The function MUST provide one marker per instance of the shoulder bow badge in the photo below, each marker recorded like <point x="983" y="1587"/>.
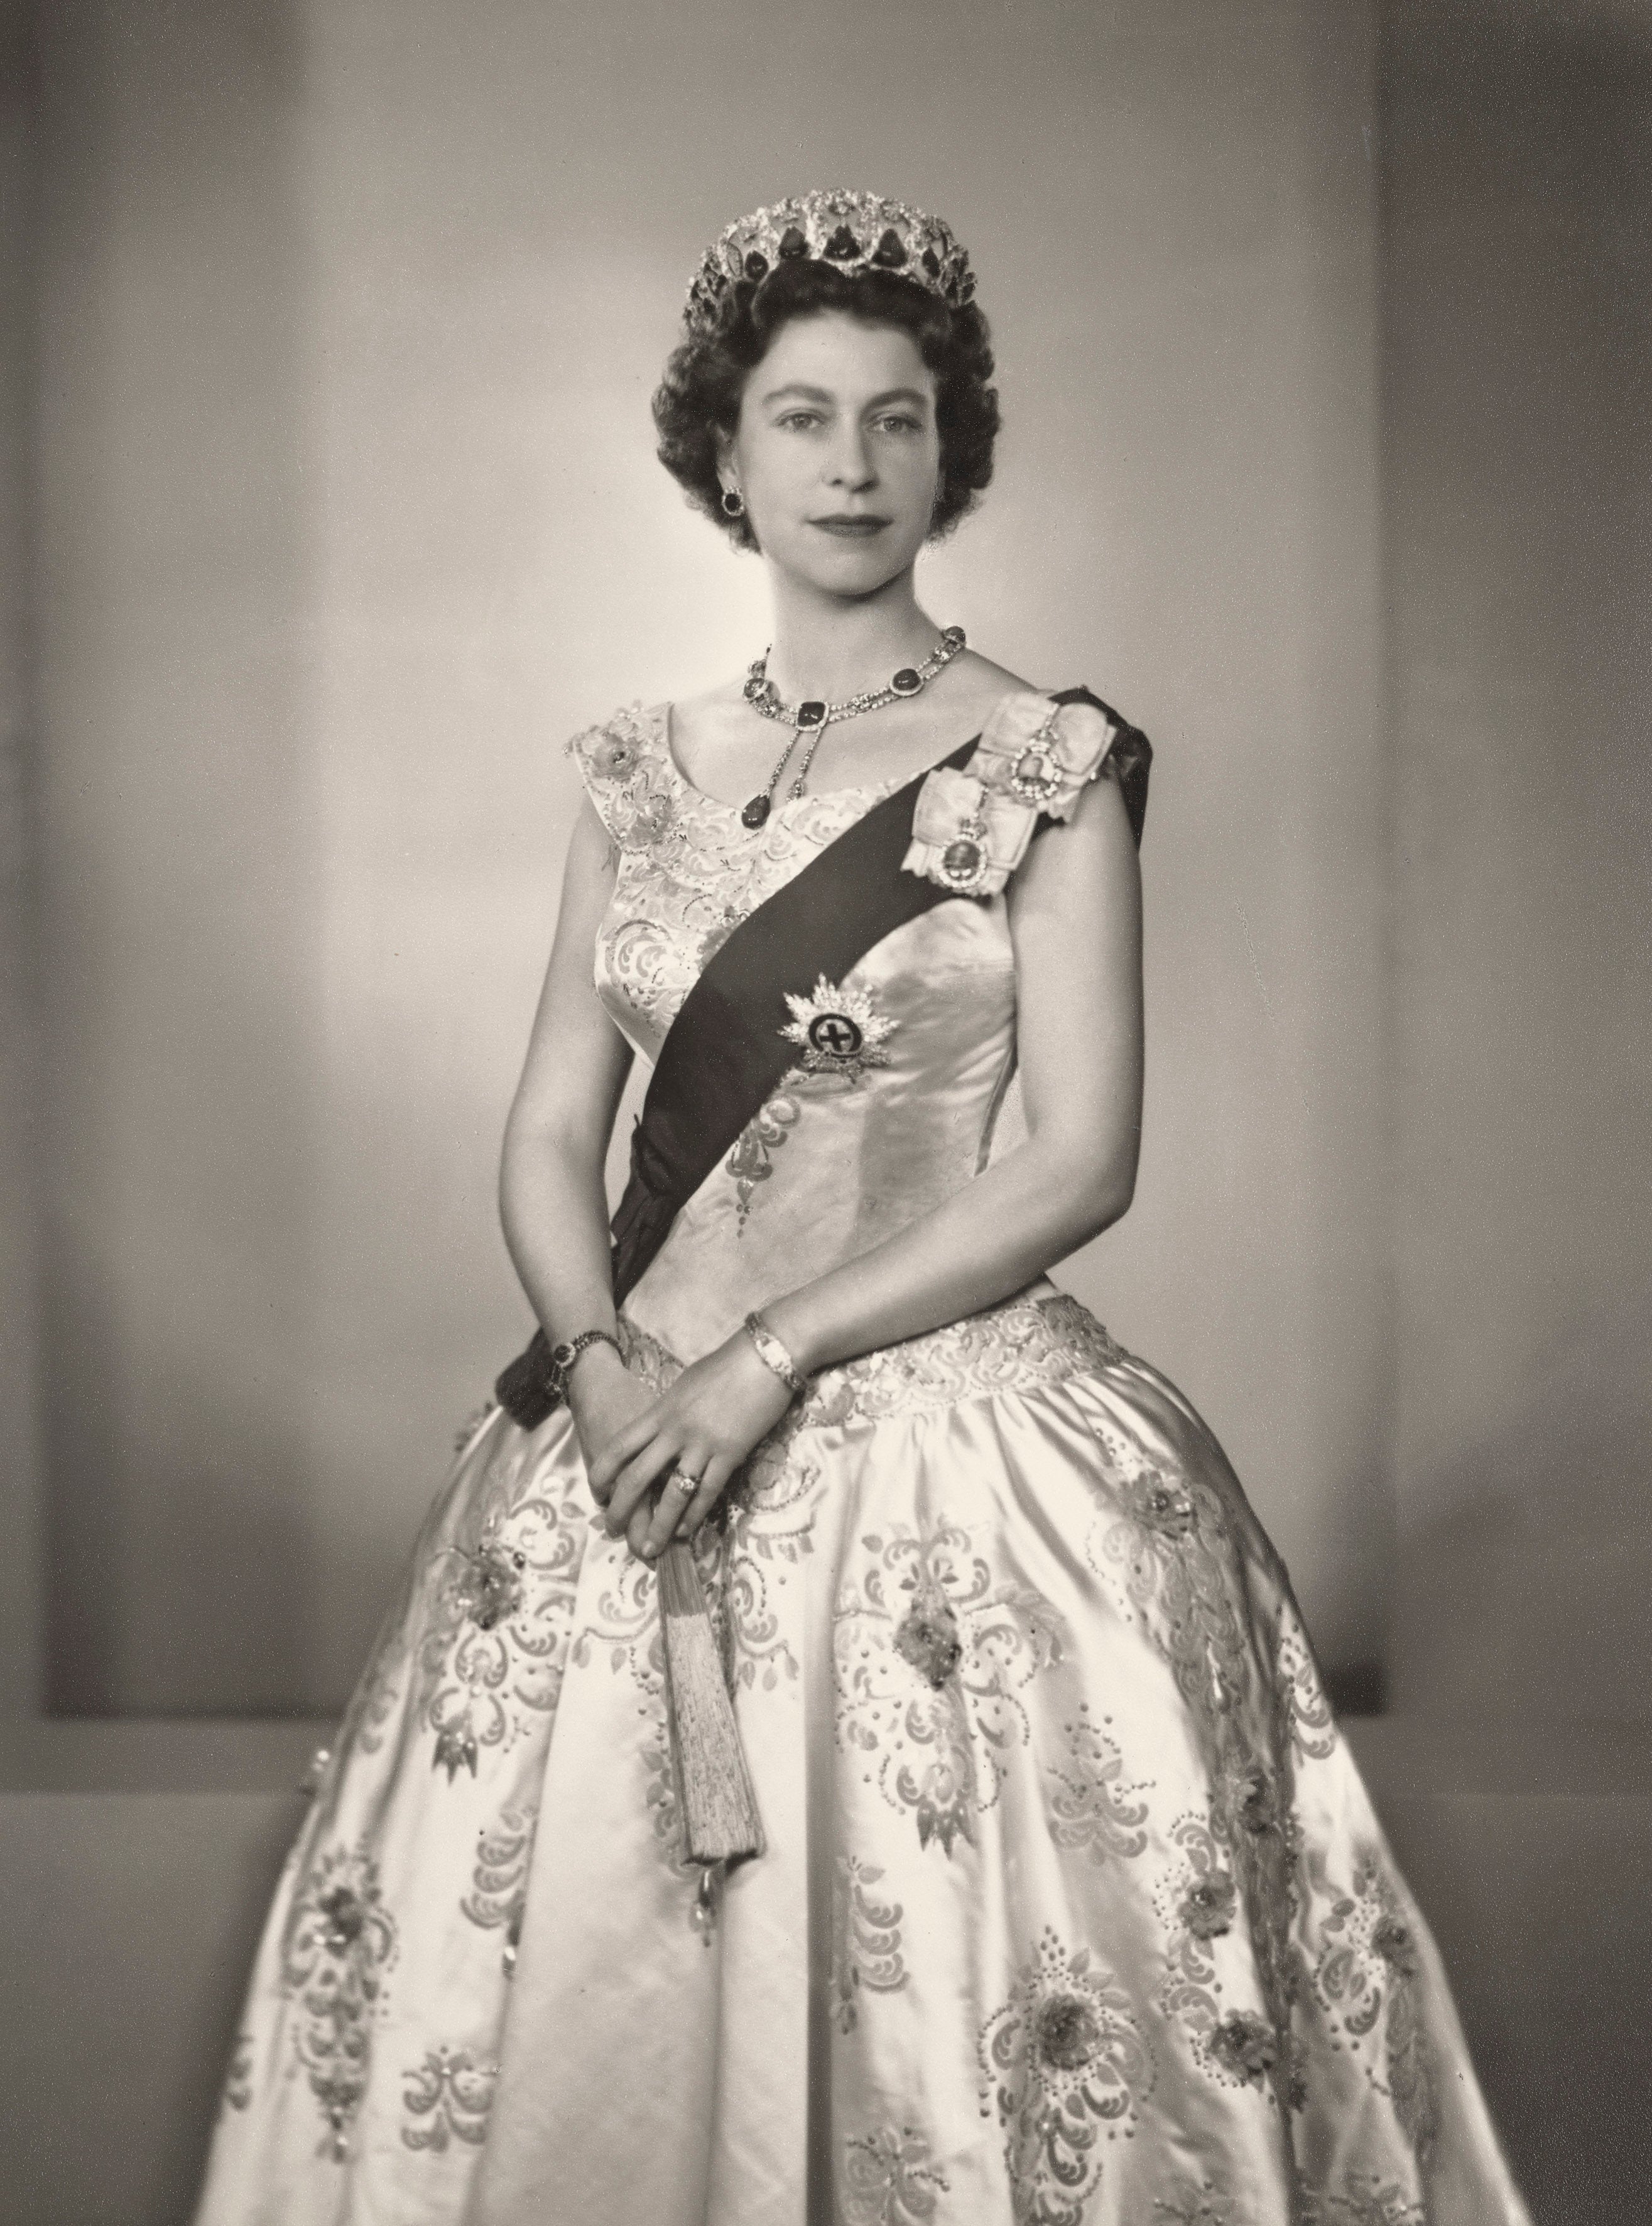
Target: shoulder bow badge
<point x="971" y="829"/>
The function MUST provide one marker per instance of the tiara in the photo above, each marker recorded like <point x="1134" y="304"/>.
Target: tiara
<point x="853" y="231"/>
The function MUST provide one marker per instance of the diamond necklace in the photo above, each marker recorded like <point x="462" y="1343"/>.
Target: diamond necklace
<point x="814" y="717"/>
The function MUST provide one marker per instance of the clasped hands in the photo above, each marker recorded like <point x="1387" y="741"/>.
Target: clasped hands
<point x="657" y="1466"/>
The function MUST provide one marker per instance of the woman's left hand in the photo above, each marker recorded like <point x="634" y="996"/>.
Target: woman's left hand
<point x="690" y="1442"/>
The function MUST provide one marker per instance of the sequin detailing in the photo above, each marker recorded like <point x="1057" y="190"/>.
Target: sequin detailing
<point x="866" y="1940"/>
<point x="340" y="1941"/>
<point x="1010" y="1347"/>
<point x="1165" y="1541"/>
<point x="751" y="1161"/>
<point x="1368" y="1960"/>
<point x="495" y="1641"/>
<point x="1314" y="1728"/>
<point x="447" y="2098"/>
<point x="1015" y="1347"/>
<point x="1188" y="2203"/>
<point x="1367" y="2200"/>
<point x="1196" y="1903"/>
<point x="498" y="1892"/>
<point x="890" y="2180"/>
<point x="1090" y="1799"/>
<point x="930" y="1648"/>
<point x="1064" y="2064"/>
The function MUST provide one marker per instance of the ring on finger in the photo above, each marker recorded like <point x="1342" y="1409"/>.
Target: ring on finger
<point x="681" y="1476"/>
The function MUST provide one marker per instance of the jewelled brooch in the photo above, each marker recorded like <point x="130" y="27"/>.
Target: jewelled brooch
<point x="839" y="1031"/>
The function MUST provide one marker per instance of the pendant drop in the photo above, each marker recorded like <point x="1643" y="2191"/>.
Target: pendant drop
<point x="754" y="813"/>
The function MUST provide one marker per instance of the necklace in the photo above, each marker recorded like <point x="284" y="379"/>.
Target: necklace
<point x="813" y="717"/>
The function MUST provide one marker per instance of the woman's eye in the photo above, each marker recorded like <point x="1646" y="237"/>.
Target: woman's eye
<point x="801" y="419"/>
<point x="895" y="422"/>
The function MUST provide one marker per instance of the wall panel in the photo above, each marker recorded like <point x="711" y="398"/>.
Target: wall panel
<point x="351" y="516"/>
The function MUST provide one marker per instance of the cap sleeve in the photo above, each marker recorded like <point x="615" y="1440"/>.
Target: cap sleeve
<point x="1127" y="755"/>
<point x="622" y="764"/>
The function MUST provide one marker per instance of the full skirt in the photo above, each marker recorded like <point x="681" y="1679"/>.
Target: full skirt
<point x="1073" y="1905"/>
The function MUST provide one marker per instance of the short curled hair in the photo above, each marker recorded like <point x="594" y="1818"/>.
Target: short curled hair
<point x="700" y="394"/>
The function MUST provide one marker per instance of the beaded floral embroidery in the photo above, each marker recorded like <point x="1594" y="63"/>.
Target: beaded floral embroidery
<point x="496" y="1633"/>
<point x="499" y="1894"/>
<point x="1009" y="1347"/>
<point x="889" y="2180"/>
<point x="687" y="871"/>
<point x="1367" y="2200"/>
<point x="866" y="1940"/>
<point x="1197" y="1903"/>
<point x="449" y="2098"/>
<point x="1366" y="1965"/>
<point x="1166" y="1542"/>
<point x="1090" y="1799"/>
<point x="930" y="1648"/>
<point x="1187" y="2203"/>
<point x="1314" y="1728"/>
<point x="751" y="1161"/>
<point x="339" y="1941"/>
<point x="1064" y="2064"/>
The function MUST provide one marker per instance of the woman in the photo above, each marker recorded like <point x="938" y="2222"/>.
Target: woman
<point x="1064" y="1901"/>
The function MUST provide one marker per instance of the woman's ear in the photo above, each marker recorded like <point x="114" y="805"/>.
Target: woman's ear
<point x="725" y="452"/>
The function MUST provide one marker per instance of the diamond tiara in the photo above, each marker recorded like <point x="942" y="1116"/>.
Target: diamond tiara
<point x="853" y="231"/>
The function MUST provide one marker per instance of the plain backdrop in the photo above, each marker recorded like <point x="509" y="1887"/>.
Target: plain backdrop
<point x="1325" y="459"/>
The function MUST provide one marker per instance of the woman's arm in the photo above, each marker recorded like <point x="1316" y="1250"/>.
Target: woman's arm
<point x="1076" y="925"/>
<point x="553" y="1201"/>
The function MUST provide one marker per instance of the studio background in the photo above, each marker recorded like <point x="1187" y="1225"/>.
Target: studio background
<point x="330" y="510"/>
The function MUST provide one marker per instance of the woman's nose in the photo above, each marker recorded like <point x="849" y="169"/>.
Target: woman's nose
<point x="850" y="466"/>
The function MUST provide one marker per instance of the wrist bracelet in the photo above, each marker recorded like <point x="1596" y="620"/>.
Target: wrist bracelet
<point x="563" y="1356"/>
<point x="773" y="1355"/>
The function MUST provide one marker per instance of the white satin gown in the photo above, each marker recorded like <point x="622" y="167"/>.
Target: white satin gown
<point x="1074" y="1910"/>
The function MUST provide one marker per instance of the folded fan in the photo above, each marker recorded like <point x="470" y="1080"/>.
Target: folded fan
<point x="714" y="1785"/>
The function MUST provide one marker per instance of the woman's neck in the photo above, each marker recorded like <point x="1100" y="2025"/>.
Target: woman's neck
<point x="830" y="647"/>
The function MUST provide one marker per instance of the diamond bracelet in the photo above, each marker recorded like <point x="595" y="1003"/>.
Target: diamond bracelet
<point x="773" y="1353"/>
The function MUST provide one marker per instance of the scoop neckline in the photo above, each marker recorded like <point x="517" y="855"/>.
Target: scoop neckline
<point x="888" y="785"/>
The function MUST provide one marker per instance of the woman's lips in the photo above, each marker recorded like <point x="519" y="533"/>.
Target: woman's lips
<point x="851" y="529"/>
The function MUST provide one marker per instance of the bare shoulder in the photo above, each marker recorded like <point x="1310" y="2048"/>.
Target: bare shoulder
<point x="711" y="713"/>
<point x="979" y="684"/>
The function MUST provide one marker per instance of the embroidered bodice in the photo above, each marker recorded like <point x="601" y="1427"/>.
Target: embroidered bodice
<point x="688" y="870"/>
<point x="903" y="1067"/>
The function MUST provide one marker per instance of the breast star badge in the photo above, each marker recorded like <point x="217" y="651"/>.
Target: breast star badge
<point x="839" y="1031"/>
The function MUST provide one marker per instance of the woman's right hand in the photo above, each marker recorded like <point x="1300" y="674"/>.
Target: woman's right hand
<point x="603" y="1395"/>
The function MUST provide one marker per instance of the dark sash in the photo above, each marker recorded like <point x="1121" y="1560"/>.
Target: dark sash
<point x="724" y="1056"/>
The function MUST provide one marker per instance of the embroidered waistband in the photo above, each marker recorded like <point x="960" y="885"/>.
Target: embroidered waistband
<point x="1009" y="1347"/>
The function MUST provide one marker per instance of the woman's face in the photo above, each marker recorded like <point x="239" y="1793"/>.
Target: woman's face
<point x="836" y="454"/>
